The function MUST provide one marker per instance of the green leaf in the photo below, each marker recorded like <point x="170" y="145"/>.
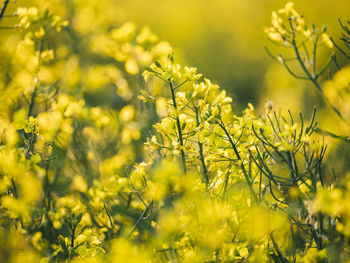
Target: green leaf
<point x="78" y="218"/>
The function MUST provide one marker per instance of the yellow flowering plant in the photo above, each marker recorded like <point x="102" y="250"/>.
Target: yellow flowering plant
<point x="272" y="163"/>
<point x="89" y="173"/>
<point x="47" y="116"/>
<point x="289" y="30"/>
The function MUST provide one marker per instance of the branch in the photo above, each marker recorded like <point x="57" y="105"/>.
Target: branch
<point x="3" y="9"/>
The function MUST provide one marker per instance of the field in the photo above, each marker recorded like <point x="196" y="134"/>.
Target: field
<point x="115" y="148"/>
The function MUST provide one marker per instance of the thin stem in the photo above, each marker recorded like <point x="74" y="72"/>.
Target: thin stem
<point x="289" y="70"/>
<point x="139" y="219"/>
<point x="270" y="54"/>
<point x="281" y="257"/>
<point x="178" y="86"/>
<point x="109" y="216"/>
<point x="32" y="101"/>
<point x="47" y="185"/>
<point x="340" y="49"/>
<point x="36" y="82"/>
<point x="245" y="173"/>
<point x="2" y="12"/>
<point x="73" y="236"/>
<point x="201" y="155"/>
<point x="310" y="77"/>
<point x="178" y="124"/>
<point x="314" y="55"/>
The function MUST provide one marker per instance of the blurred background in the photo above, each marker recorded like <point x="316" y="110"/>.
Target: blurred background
<point x="225" y="39"/>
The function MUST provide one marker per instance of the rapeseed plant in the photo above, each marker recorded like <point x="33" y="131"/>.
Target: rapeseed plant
<point x="208" y="185"/>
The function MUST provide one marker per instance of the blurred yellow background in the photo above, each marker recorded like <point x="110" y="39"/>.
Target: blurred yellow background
<point x="225" y="39"/>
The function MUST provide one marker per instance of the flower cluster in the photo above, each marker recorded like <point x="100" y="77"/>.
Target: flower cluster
<point x="288" y="25"/>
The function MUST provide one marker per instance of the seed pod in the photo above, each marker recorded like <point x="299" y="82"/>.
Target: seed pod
<point x="183" y="125"/>
<point x="78" y="218"/>
<point x="149" y="69"/>
<point x="158" y="64"/>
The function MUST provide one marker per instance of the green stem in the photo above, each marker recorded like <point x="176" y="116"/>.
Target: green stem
<point x="109" y="217"/>
<point x="278" y="251"/>
<point x="47" y="185"/>
<point x="139" y="219"/>
<point x="308" y="74"/>
<point x="246" y="176"/>
<point x="314" y="55"/>
<point x="178" y="124"/>
<point x="36" y="81"/>
<point x="2" y="12"/>
<point x="201" y="155"/>
<point x="73" y="236"/>
<point x="32" y="101"/>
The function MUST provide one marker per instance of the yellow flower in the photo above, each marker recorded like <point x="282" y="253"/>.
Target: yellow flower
<point x="326" y="40"/>
<point x="40" y="33"/>
<point x="127" y="113"/>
